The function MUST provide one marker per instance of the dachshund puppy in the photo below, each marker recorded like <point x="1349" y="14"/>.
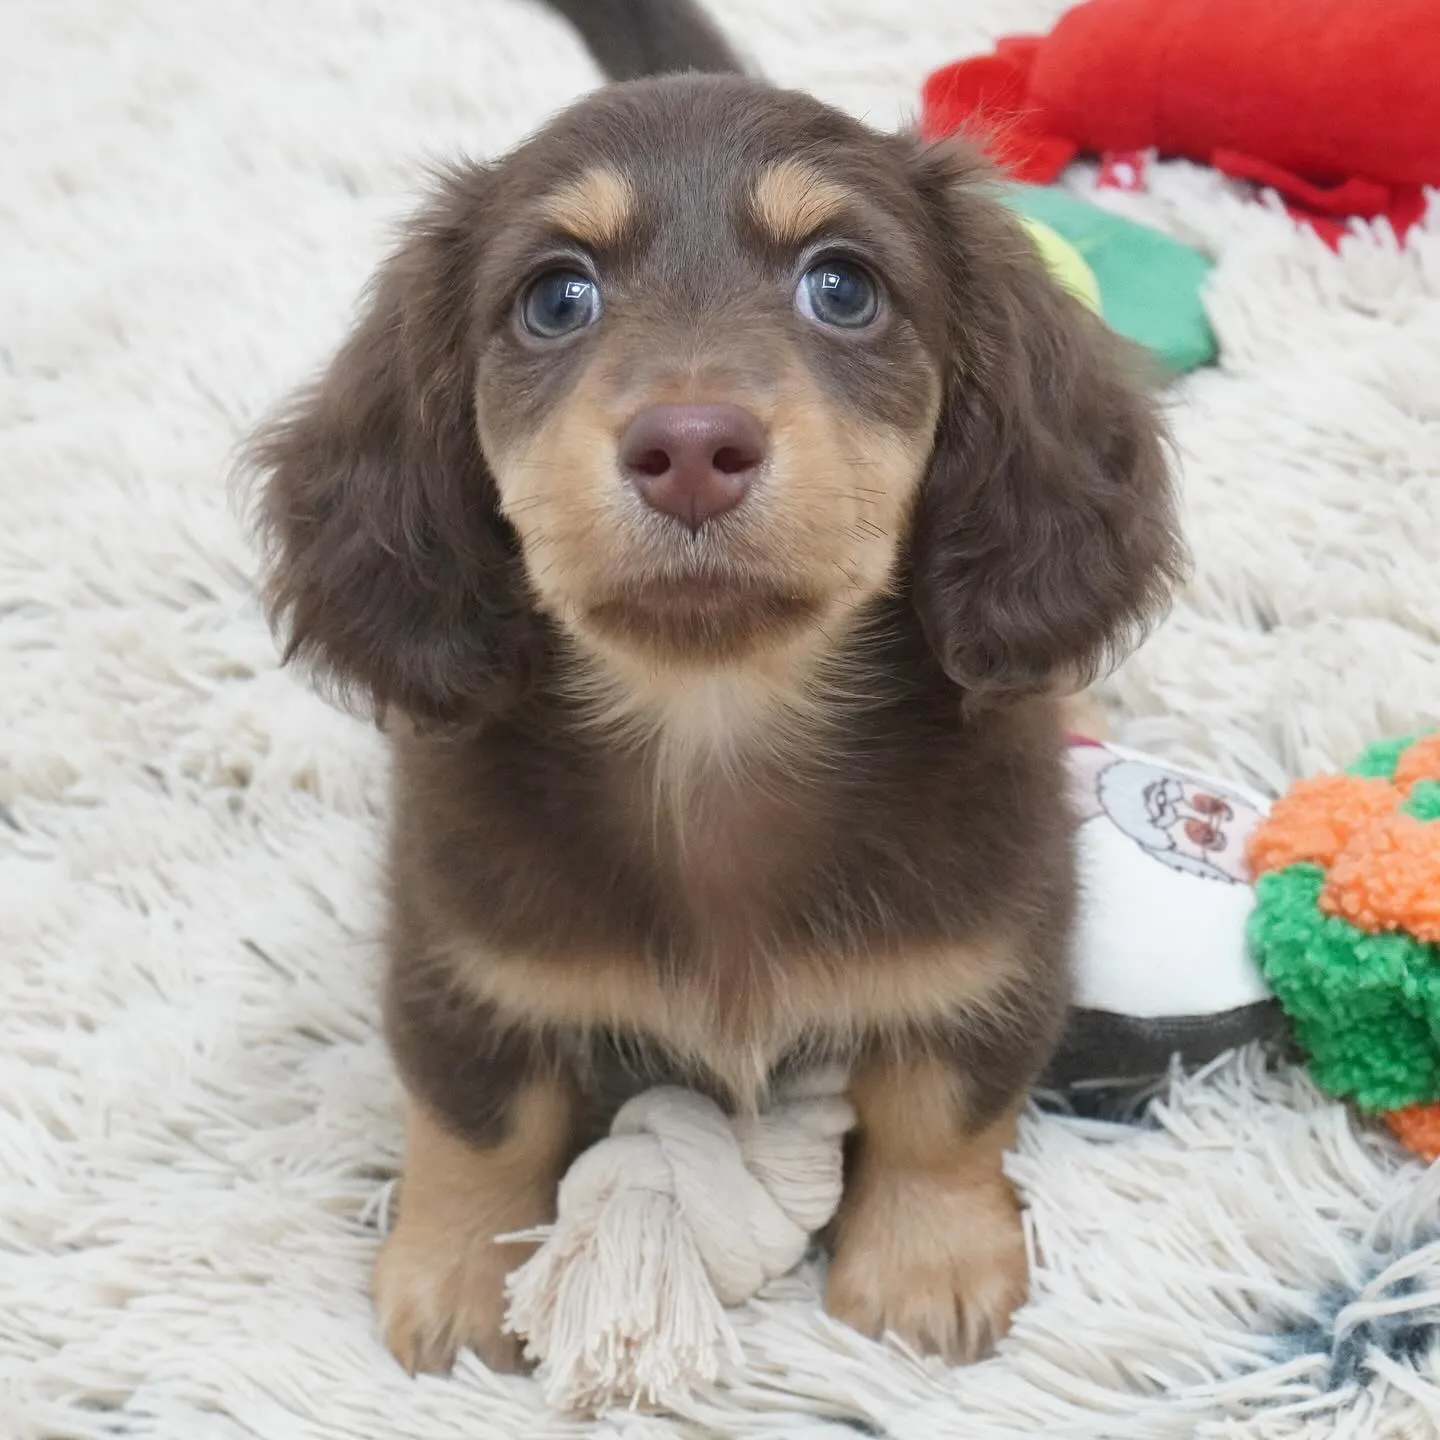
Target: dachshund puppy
<point x="715" y="498"/>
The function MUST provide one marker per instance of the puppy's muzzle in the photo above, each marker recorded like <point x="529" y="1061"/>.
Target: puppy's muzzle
<point x="693" y="462"/>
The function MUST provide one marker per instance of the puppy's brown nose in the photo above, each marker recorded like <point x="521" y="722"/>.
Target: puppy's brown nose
<point x="692" y="461"/>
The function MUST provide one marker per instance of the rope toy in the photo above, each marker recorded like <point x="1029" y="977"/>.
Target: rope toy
<point x="1346" y="929"/>
<point x="679" y="1212"/>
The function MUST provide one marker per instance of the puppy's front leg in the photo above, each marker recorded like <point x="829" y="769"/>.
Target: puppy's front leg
<point x="439" y="1284"/>
<point x="928" y="1242"/>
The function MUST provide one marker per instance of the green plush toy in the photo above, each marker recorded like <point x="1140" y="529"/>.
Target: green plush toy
<point x="1346" y="929"/>
<point x="1146" y="285"/>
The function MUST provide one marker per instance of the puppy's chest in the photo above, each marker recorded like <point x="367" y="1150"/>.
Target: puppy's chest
<point x="761" y="931"/>
<point x="736" y="855"/>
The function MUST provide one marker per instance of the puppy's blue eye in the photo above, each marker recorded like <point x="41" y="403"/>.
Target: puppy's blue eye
<point x="838" y="293"/>
<point x="559" y="302"/>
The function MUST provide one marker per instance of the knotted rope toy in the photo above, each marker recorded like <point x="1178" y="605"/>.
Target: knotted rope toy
<point x="1346" y="929"/>
<point x="679" y="1212"/>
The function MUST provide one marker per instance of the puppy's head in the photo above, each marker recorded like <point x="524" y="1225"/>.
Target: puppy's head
<point x="693" y="376"/>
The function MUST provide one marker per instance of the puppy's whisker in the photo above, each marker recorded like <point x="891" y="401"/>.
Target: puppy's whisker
<point x="860" y="526"/>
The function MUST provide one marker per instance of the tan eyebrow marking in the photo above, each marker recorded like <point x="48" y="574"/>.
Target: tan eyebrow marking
<point x="792" y="201"/>
<point x="596" y="208"/>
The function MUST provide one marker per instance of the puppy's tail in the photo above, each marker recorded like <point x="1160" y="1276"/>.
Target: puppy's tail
<point x="634" y="38"/>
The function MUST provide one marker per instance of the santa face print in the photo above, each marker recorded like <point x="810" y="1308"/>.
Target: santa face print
<point x="1183" y="822"/>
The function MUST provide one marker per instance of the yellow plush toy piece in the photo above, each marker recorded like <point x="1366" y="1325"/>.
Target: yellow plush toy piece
<point x="1065" y="262"/>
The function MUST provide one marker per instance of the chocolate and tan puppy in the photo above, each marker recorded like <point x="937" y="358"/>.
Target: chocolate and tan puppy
<point x="714" y="496"/>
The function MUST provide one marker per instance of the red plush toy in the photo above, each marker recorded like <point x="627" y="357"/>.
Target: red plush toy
<point x="1333" y="103"/>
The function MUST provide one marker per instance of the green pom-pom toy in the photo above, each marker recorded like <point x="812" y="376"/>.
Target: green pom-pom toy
<point x="1346" y="929"/>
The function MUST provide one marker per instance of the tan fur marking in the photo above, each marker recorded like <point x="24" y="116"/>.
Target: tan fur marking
<point x="595" y="209"/>
<point x="830" y="512"/>
<point x="707" y="725"/>
<point x="929" y="1243"/>
<point x="826" y="520"/>
<point x="792" y="201"/>
<point x="439" y="1281"/>
<point x="562" y="491"/>
<point x="849" y="487"/>
<point x="740" y="1036"/>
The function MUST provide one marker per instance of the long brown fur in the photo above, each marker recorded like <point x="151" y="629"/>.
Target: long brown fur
<point x="713" y="807"/>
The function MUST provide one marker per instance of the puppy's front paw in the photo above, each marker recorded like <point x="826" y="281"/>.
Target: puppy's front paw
<point x="435" y="1299"/>
<point x="942" y="1265"/>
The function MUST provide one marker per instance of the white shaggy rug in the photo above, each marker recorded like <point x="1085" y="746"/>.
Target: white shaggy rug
<point x="197" y="1121"/>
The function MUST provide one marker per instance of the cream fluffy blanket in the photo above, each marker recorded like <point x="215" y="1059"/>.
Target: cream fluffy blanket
<point x="197" y="1121"/>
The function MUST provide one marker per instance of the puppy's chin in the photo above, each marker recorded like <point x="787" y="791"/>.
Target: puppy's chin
<point x="701" y="620"/>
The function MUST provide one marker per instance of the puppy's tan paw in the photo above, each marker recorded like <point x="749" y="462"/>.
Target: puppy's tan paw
<point x="942" y="1267"/>
<point x="434" y="1300"/>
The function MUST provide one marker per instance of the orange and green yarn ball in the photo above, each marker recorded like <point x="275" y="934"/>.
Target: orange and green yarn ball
<point x="1346" y="929"/>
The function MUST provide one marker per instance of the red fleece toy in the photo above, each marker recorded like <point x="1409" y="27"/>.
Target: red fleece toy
<point x="1333" y="103"/>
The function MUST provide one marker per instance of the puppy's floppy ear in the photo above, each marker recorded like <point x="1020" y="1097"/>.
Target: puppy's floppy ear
<point x="1045" y="537"/>
<point x="389" y="562"/>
